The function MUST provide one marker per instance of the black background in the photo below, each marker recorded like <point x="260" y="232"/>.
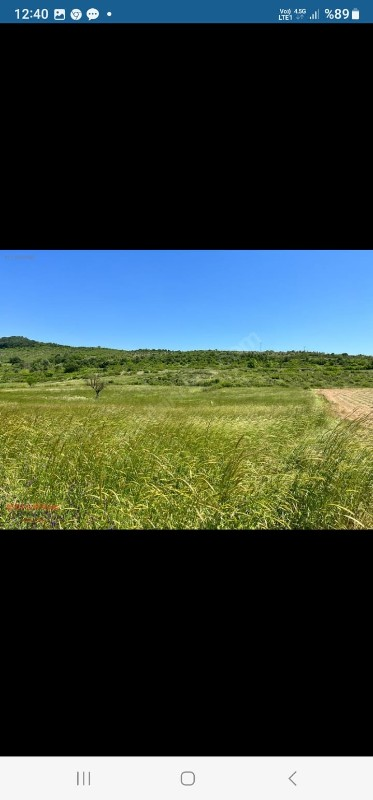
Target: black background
<point x="186" y="135"/>
<point x="151" y="643"/>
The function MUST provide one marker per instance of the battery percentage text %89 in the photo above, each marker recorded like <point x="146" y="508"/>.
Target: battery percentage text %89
<point x="337" y="13"/>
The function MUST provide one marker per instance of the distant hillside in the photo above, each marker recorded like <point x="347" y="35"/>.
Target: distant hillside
<point x="20" y="341"/>
<point x="23" y="359"/>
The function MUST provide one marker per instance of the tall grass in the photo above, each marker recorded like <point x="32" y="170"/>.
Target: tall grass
<point x="179" y="458"/>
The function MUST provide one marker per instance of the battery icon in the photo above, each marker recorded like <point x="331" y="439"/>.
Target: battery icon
<point x="355" y="13"/>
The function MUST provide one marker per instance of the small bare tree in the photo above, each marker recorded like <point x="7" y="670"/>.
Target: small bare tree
<point x="96" y="383"/>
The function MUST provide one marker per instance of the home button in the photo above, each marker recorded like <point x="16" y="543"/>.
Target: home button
<point x="188" y="778"/>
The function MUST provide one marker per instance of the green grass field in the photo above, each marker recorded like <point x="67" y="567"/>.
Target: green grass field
<point x="180" y="457"/>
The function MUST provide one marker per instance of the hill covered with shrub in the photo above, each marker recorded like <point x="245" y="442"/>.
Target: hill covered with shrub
<point x="21" y="357"/>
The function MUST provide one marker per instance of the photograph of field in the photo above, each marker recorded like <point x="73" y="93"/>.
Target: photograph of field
<point x="238" y="436"/>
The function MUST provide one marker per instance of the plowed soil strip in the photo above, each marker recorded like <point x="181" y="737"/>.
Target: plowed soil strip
<point x="351" y="403"/>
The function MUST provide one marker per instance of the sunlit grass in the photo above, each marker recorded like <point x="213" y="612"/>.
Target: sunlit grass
<point x="144" y="457"/>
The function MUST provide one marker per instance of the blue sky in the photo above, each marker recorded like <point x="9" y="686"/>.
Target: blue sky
<point x="190" y="299"/>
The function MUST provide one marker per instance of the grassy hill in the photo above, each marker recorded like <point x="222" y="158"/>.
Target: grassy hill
<point x="191" y="450"/>
<point x="21" y="358"/>
<point x="174" y="457"/>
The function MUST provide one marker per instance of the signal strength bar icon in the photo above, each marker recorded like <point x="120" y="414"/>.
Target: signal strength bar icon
<point x="315" y="15"/>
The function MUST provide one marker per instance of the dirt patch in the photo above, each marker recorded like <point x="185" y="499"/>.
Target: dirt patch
<point x="351" y="403"/>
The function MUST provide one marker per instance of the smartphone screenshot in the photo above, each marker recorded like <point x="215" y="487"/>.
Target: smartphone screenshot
<point x="185" y="422"/>
<point x="186" y="468"/>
